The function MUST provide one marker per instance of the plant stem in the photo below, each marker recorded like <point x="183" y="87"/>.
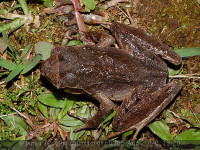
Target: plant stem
<point x="13" y="25"/>
<point x="12" y="16"/>
<point x="24" y="6"/>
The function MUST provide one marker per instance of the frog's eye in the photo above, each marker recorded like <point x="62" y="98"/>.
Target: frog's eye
<point x="61" y="58"/>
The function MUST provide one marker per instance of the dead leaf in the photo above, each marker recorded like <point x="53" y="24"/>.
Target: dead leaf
<point x="3" y="45"/>
<point x="63" y="133"/>
<point x="55" y="126"/>
<point x="187" y="105"/>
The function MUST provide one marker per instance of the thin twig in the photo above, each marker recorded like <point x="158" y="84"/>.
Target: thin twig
<point x="2" y="82"/>
<point x="123" y="12"/>
<point x="17" y="85"/>
<point x="174" y="31"/>
<point x="12" y="5"/>
<point x="13" y="16"/>
<point x="177" y="116"/>
<point x="8" y="115"/>
<point x="22" y="115"/>
<point x="130" y="18"/>
<point x="194" y="115"/>
<point x="114" y="2"/>
<point x="190" y="76"/>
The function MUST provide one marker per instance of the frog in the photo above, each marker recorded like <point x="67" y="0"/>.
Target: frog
<point x="134" y="74"/>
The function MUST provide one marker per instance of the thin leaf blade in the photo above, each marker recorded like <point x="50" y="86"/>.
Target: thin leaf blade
<point x="25" y="52"/>
<point x="31" y="64"/>
<point x="191" y="136"/>
<point x="5" y="37"/>
<point x="14" y="73"/>
<point x="7" y="64"/>
<point x="110" y="116"/>
<point x="43" y="109"/>
<point x="69" y="102"/>
<point x="188" y="52"/>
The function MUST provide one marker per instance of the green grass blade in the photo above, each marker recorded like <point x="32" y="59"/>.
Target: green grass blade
<point x="126" y="134"/>
<point x="14" y="73"/>
<point x="110" y="116"/>
<point x="31" y="64"/>
<point x="4" y="73"/>
<point x="191" y="136"/>
<point x="13" y="25"/>
<point x="188" y="52"/>
<point x="24" y="6"/>
<point x="68" y="104"/>
<point x="25" y="52"/>
<point x="5" y="37"/>
<point x="7" y="64"/>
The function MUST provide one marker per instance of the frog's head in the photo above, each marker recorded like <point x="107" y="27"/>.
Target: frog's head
<point x="58" y="69"/>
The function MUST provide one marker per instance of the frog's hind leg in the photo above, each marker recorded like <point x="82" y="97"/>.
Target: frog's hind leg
<point x="146" y="109"/>
<point x="137" y="40"/>
<point x="162" y="98"/>
<point x="106" y="106"/>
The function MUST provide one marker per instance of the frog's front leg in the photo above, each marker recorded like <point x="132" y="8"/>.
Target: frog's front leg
<point x="96" y="38"/>
<point x="106" y="106"/>
<point x="139" y="113"/>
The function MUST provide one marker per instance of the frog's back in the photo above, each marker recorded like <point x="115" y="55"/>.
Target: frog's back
<point x="105" y="69"/>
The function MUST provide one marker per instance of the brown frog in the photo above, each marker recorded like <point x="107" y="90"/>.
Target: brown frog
<point x="135" y="74"/>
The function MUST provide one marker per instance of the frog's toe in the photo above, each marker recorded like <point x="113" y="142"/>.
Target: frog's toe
<point x="80" y="128"/>
<point x="89" y="124"/>
<point x="77" y="117"/>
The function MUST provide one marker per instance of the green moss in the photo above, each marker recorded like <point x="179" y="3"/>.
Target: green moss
<point x="174" y="22"/>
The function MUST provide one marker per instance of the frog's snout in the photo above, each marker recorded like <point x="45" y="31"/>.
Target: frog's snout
<point x="50" y="69"/>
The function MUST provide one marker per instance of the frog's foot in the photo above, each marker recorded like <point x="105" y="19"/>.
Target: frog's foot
<point x="146" y="109"/>
<point x="106" y="106"/>
<point x="77" y="117"/>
